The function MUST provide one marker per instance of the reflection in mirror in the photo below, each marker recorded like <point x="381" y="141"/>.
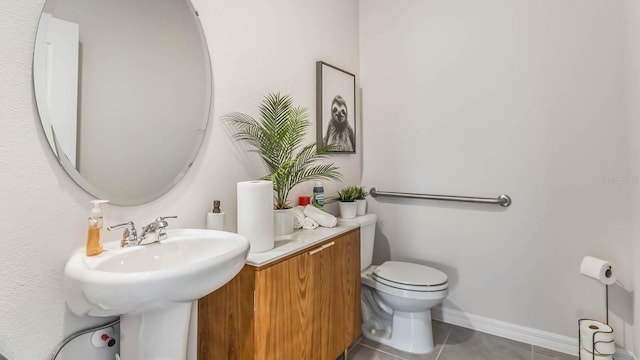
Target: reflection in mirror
<point x="123" y="90"/>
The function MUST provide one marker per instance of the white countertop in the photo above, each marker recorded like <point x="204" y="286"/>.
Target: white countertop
<point x="299" y="240"/>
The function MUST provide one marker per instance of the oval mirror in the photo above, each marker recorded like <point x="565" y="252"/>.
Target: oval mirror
<point x="123" y="90"/>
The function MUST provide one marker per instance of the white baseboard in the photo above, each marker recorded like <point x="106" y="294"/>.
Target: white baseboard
<point x="545" y="339"/>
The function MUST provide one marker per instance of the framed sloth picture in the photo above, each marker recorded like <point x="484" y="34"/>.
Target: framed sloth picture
<point x="335" y="108"/>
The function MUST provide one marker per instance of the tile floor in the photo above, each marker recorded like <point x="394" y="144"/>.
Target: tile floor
<point x="457" y="343"/>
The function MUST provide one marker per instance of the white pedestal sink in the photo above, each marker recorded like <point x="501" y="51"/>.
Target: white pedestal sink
<point x="152" y="287"/>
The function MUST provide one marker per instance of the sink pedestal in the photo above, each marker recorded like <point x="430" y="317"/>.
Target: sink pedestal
<point x="156" y="334"/>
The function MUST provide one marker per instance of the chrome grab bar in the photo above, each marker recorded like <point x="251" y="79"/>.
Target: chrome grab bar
<point x="502" y="200"/>
<point x="331" y="199"/>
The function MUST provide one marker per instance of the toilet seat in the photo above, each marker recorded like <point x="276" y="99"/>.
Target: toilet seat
<point x="410" y="277"/>
<point x="410" y="294"/>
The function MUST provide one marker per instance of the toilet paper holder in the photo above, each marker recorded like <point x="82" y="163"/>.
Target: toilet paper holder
<point x="595" y="333"/>
<point x="593" y="341"/>
<point x="601" y="346"/>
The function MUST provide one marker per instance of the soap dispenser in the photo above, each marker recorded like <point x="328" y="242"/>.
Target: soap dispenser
<point x="94" y="246"/>
<point x="215" y="218"/>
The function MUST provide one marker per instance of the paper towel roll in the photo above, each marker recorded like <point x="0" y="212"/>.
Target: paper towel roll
<point x="598" y="335"/>
<point x="215" y="221"/>
<point x="598" y="269"/>
<point x="255" y="214"/>
<point x="586" y="355"/>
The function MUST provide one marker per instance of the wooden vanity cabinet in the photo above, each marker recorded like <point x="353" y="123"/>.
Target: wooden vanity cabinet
<point x="305" y="306"/>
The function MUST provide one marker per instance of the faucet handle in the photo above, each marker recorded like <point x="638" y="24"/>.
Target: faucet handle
<point x="161" y="221"/>
<point x="129" y="231"/>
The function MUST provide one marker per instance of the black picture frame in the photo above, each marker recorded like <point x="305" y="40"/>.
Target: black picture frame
<point x="335" y="108"/>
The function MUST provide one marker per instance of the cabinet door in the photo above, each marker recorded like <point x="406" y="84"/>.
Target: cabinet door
<point x="346" y="289"/>
<point x="283" y="315"/>
<point x="325" y="323"/>
<point x="225" y="320"/>
<point x="336" y="270"/>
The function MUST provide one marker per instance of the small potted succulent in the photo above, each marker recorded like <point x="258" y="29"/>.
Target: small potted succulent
<point x="361" y="200"/>
<point x="348" y="206"/>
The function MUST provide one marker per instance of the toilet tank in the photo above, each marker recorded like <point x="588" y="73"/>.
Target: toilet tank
<point x="367" y="234"/>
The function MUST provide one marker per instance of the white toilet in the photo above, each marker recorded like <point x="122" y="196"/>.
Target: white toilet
<point x="397" y="297"/>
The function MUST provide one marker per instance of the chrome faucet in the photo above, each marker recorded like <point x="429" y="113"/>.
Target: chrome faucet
<point x="151" y="233"/>
<point x="155" y="231"/>
<point x="129" y="235"/>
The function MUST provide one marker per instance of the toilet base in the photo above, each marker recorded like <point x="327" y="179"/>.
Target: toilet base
<point x="410" y="332"/>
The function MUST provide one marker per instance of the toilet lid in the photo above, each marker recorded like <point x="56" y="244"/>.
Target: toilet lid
<point x="403" y="273"/>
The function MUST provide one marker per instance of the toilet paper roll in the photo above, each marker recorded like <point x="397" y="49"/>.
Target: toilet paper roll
<point x="255" y="214"/>
<point x="215" y="221"/>
<point x="587" y="355"/>
<point x="598" y="269"/>
<point x="596" y="336"/>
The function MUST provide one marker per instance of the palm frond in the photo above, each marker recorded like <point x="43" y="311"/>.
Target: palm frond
<point x="276" y="138"/>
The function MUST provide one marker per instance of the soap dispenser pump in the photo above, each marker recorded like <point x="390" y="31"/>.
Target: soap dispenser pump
<point x="94" y="246"/>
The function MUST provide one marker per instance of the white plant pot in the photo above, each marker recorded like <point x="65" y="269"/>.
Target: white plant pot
<point x="348" y="209"/>
<point x="361" y="207"/>
<point x="283" y="222"/>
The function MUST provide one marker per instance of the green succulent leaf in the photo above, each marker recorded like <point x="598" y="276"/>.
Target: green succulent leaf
<point x="350" y="194"/>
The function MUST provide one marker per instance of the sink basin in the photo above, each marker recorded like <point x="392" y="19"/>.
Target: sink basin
<point x="153" y="286"/>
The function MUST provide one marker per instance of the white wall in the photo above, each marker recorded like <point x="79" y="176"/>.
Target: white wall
<point x="496" y="96"/>
<point x="256" y="47"/>
<point x="632" y="66"/>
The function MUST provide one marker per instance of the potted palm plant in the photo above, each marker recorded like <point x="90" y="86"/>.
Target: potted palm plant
<point x="278" y="138"/>
<point x="361" y="200"/>
<point x="348" y="206"/>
